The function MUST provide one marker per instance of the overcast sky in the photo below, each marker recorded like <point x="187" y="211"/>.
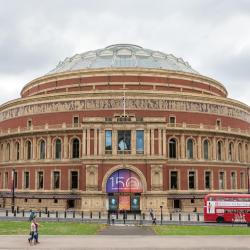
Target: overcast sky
<point x="212" y="35"/>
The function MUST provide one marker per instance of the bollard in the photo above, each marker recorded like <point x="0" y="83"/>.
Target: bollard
<point x="143" y="216"/>
<point x="14" y="213"/>
<point x="7" y="212"/>
<point x="74" y="214"/>
<point x="48" y="213"/>
<point x="56" y="214"/>
<point x="91" y="214"/>
<point x="40" y="214"/>
<point x="198" y="217"/>
<point x="117" y="215"/>
<point x="82" y="215"/>
<point x="170" y="217"/>
<point x="179" y="217"/>
<point x="65" y="214"/>
<point x="99" y="215"/>
<point x="23" y="213"/>
<point x="134" y="216"/>
<point x="189" y="217"/>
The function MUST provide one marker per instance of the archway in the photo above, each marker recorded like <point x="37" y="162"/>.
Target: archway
<point x="124" y="188"/>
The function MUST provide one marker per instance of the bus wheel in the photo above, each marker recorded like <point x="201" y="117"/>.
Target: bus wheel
<point x="220" y="219"/>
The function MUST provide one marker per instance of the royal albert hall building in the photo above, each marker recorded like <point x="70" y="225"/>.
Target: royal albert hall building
<point x="122" y="128"/>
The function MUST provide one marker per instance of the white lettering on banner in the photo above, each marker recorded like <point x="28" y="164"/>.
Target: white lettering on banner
<point x="232" y="203"/>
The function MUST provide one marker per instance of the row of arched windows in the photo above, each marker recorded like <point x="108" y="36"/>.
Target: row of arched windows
<point x="206" y="150"/>
<point x="234" y="152"/>
<point x="42" y="153"/>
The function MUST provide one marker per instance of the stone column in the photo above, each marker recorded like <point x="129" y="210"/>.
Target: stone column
<point x="114" y="142"/>
<point x="199" y="147"/>
<point x="226" y="150"/>
<point x="88" y="141"/>
<point x="147" y="142"/>
<point x="214" y="149"/>
<point x="21" y="149"/>
<point x="95" y="141"/>
<point x="101" y="141"/>
<point x="152" y="142"/>
<point x="183" y="147"/>
<point x="83" y="142"/>
<point x="160" y="141"/>
<point x="66" y="147"/>
<point x="164" y="142"/>
<point x="49" y="147"/>
<point x="34" y="144"/>
<point x="133" y="142"/>
<point x="12" y="151"/>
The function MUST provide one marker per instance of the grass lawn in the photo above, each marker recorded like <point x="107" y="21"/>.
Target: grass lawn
<point x="49" y="228"/>
<point x="201" y="230"/>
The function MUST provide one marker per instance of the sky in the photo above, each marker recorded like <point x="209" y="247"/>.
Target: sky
<point x="213" y="36"/>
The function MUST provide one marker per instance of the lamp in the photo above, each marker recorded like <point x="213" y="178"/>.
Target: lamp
<point x="161" y="214"/>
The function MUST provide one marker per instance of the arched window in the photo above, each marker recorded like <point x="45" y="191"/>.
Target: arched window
<point x="190" y="149"/>
<point x="75" y="148"/>
<point x="8" y="152"/>
<point x="42" y="150"/>
<point x="172" y="148"/>
<point x="230" y="151"/>
<point x="206" y="149"/>
<point x="58" y="149"/>
<point x="17" y="147"/>
<point x="239" y="152"/>
<point x="219" y="150"/>
<point x="29" y="150"/>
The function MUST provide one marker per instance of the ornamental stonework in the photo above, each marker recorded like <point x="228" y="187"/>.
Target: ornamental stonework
<point x="131" y="104"/>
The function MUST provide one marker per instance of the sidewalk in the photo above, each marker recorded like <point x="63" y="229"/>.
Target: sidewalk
<point x="128" y="242"/>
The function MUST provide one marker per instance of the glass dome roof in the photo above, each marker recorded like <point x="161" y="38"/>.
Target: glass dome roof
<point x="123" y="56"/>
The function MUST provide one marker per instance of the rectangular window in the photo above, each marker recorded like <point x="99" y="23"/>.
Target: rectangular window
<point x="174" y="180"/>
<point x="139" y="141"/>
<point x="191" y="180"/>
<point x="233" y="180"/>
<point x="177" y="204"/>
<point x="218" y="123"/>
<point x="108" y="141"/>
<point x="56" y="179"/>
<point x="124" y="141"/>
<point x="76" y="121"/>
<point x="29" y="123"/>
<point x="26" y="180"/>
<point x="207" y="180"/>
<point x="74" y="179"/>
<point x="221" y="180"/>
<point x="242" y="177"/>
<point x="6" y="180"/>
<point x="172" y="120"/>
<point x="40" y="180"/>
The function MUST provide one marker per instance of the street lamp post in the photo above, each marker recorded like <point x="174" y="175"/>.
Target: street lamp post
<point x="13" y="190"/>
<point x="161" y="214"/>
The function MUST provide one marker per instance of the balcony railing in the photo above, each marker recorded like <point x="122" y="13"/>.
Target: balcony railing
<point x="175" y="126"/>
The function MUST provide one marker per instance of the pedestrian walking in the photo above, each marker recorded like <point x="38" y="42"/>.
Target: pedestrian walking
<point x="32" y="231"/>
<point x="36" y="231"/>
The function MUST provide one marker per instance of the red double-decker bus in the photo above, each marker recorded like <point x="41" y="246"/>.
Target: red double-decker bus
<point x="227" y="208"/>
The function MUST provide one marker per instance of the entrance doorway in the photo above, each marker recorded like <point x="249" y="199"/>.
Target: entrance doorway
<point x="124" y="190"/>
<point x="70" y="204"/>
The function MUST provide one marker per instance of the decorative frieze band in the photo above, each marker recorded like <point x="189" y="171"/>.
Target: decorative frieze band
<point x="131" y="104"/>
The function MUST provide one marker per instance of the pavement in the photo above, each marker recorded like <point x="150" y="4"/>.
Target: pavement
<point x="128" y="242"/>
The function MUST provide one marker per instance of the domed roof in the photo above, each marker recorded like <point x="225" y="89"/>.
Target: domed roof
<point x="123" y="56"/>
